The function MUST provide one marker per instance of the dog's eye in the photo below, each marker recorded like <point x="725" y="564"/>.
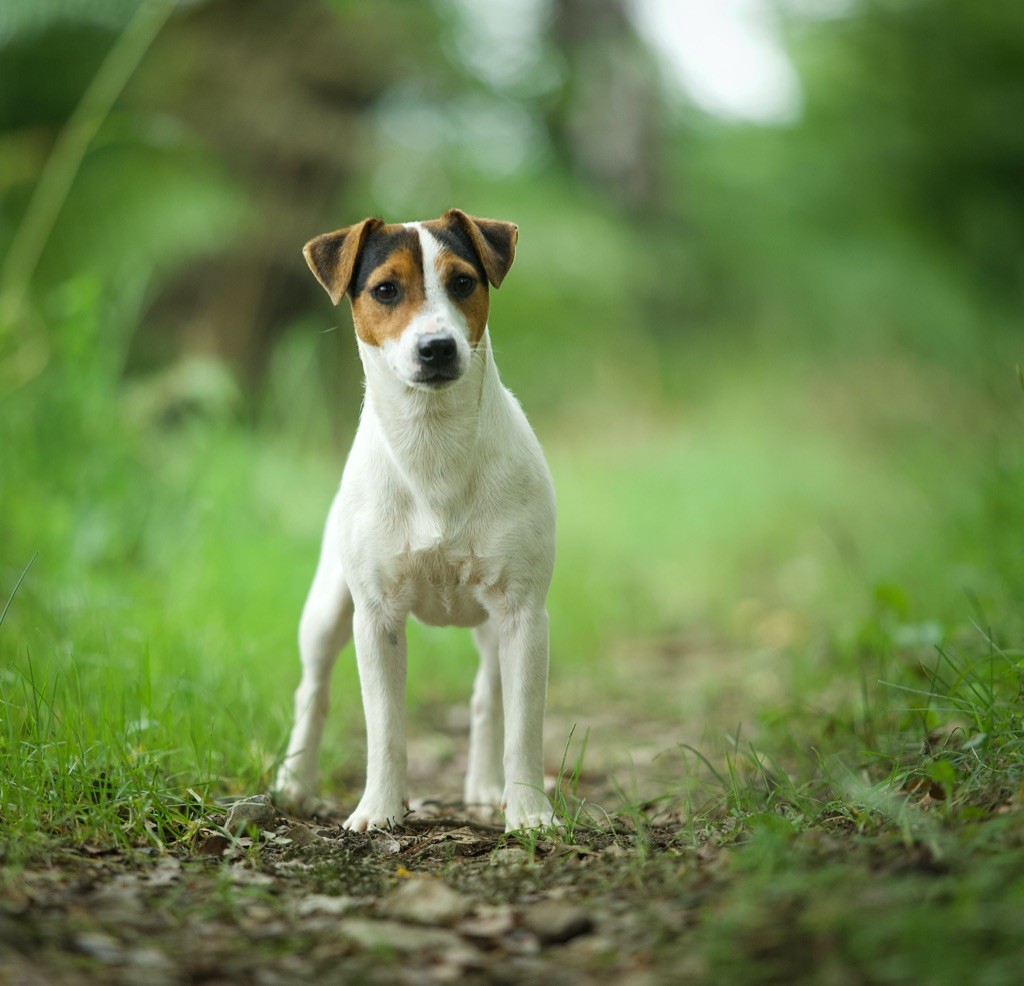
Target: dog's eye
<point x="462" y="285"/>
<point x="386" y="291"/>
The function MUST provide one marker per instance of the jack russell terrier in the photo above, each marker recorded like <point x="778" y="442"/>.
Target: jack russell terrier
<point x="446" y="510"/>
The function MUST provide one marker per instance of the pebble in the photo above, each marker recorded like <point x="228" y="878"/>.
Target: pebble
<point x="213" y="844"/>
<point x="554" y="922"/>
<point x="429" y="901"/>
<point x="301" y="835"/>
<point x="255" y="812"/>
<point x="324" y="904"/>
<point x="374" y="934"/>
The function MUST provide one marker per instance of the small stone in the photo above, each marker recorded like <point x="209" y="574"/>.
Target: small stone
<point x="384" y="844"/>
<point x="100" y="946"/>
<point x="301" y="835"/>
<point x="150" y="966"/>
<point x="213" y="844"/>
<point x="554" y="922"/>
<point x="509" y="856"/>
<point x="521" y="942"/>
<point x="256" y="812"/>
<point x="166" y="872"/>
<point x="324" y="904"/>
<point x="490" y="923"/>
<point x="427" y="900"/>
<point x="243" y="876"/>
<point x="441" y="948"/>
<point x="375" y="934"/>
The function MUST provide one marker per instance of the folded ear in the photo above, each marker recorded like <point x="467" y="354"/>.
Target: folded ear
<point x="332" y="257"/>
<point x="493" y="240"/>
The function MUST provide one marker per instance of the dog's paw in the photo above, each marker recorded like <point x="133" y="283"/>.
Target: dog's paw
<point x="531" y="813"/>
<point x="375" y="814"/>
<point x="295" y="798"/>
<point x="480" y="793"/>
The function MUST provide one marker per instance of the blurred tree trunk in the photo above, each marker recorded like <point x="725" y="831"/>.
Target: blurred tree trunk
<point x="609" y="124"/>
<point x="278" y="92"/>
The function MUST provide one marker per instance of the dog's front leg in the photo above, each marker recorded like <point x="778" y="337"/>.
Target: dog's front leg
<point x="380" y="655"/>
<point x="523" y="648"/>
<point x="325" y="628"/>
<point x="485" y="775"/>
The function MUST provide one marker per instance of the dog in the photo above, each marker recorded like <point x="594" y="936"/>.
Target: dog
<point x="446" y="511"/>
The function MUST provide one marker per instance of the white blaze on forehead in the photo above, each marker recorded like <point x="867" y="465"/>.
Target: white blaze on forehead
<point x="438" y="313"/>
<point x="437" y="297"/>
<point x="437" y="304"/>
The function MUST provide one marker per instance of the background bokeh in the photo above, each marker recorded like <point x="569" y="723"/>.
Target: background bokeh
<point x="771" y="353"/>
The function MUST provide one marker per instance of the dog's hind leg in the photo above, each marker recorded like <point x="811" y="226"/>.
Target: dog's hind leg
<point x="523" y="635"/>
<point x="325" y="627"/>
<point x="485" y="776"/>
<point x="381" y="656"/>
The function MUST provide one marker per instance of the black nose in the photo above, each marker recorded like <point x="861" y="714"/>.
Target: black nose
<point x="438" y="349"/>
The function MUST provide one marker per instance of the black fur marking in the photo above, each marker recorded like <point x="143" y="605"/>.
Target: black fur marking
<point x="453" y="237"/>
<point x="379" y="245"/>
<point x="324" y="255"/>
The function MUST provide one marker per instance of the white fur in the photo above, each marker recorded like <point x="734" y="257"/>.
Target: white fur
<point x="446" y="511"/>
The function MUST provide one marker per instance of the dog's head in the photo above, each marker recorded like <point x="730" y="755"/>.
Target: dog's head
<point x="418" y="290"/>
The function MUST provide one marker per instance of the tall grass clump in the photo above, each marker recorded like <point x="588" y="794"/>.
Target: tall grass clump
<point x="126" y="699"/>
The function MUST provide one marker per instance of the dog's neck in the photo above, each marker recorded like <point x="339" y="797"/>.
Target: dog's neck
<point x="432" y="436"/>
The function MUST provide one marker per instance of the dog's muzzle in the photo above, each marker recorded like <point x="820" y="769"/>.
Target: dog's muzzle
<point x="438" y="357"/>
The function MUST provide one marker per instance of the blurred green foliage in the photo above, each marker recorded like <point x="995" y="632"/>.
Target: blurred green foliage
<point x="886" y="218"/>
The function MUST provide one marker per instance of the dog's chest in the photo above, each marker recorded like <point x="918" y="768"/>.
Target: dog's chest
<point x="440" y="568"/>
<point x="443" y="587"/>
<point x="439" y="563"/>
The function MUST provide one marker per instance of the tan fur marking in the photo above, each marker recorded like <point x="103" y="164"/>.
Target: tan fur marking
<point x="476" y="305"/>
<point x="376" y="322"/>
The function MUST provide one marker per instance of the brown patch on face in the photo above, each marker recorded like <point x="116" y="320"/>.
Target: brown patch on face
<point x="377" y="321"/>
<point x="474" y="305"/>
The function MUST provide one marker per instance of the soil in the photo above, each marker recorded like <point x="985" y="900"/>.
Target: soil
<point x="441" y="899"/>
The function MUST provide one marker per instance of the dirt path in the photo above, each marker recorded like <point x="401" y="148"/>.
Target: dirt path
<point x="444" y="899"/>
<point x="445" y="902"/>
